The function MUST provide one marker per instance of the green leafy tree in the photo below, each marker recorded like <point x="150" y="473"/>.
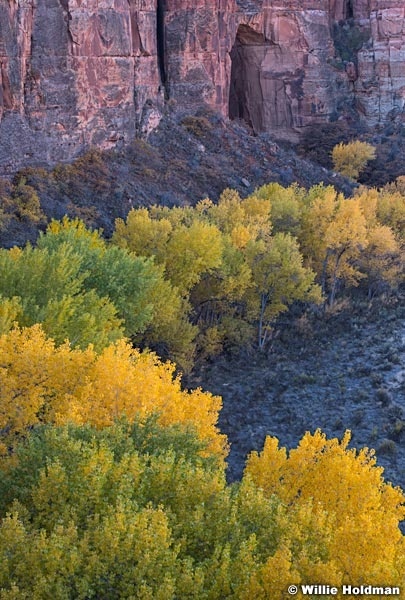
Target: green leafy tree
<point x="49" y="288"/>
<point x="286" y="206"/>
<point x="109" y="271"/>
<point x="139" y="511"/>
<point x="187" y="250"/>
<point x="10" y="309"/>
<point x="279" y="278"/>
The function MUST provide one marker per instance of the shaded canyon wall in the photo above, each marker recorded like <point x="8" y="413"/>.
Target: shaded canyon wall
<point x="75" y="73"/>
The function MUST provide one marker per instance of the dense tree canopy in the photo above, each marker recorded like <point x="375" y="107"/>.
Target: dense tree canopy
<point x="137" y="511"/>
<point x="112" y="476"/>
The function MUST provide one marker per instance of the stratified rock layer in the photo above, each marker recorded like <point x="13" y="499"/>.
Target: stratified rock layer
<point x="75" y="73"/>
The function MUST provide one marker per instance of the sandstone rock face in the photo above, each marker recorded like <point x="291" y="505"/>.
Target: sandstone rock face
<point x="284" y="64"/>
<point x="75" y="73"/>
<point x="380" y="87"/>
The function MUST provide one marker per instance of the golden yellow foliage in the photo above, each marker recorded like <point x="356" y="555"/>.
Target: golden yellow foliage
<point x="142" y="235"/>
<point x="44" y="383"/>
<point x="136" y="509"/>
<point x="381" y="260"/>
<point x="333" y="235"/>
<point x="391" y="212"/>
<point x="345" y="489"/>
<point x="316" y="218"/>
<point x="350" y="159"/>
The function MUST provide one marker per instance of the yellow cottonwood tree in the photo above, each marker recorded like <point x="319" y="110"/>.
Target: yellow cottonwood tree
<point x="381" y="260"/>
<point x="136" y="511"/>
<point x="351" y="158"/>
<point x="391" y="212"/>
<point x="191" y="252"/>
<point x="33" y="375"/>
<point x="185" y="249"/>
<point x="345" y="238"/>
<point x="242" y="220"/>
<point x="286" y="206"/>
<point x="279" y="278"/>
<point x="44" y="383"/>
<point x="333" y="235"/>
<point x="124" y="381"/>
<point x="362" y="541"/>
<point x="319" y="208"/>
<point x="143" y="235"/>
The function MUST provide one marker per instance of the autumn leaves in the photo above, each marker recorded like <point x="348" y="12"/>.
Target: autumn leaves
<point x="112" y="477"/>
<point x="43" y="383"/>
<point x="191" y="282"/>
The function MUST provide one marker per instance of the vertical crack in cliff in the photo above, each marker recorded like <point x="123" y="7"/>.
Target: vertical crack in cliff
<point x="244" y="79"/>
<point x="68" y="17"/>
<point x="161" y="45"/>
<point x="6" y="94"/>
<point x="349" y="9"/>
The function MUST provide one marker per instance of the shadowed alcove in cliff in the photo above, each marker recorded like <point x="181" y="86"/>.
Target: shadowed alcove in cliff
<point x="258" y="93"/>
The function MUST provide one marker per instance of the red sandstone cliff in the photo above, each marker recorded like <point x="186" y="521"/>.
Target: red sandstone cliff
<point x="80" y="72"/>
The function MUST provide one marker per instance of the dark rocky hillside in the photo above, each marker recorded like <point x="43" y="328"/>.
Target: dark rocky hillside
<point x="185" y="160"/>
<point x="345" y="371"/>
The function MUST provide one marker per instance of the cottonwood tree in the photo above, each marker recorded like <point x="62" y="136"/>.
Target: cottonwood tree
<point x="279" y="279"/>
<point x="137" y="510"/>
<point x="45" y="383"/>
<point x="351" y="159"/>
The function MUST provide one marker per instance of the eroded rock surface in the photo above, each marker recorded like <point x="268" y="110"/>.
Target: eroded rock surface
<point x="75" y="73"/>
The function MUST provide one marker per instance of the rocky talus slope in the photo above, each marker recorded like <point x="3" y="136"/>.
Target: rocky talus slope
<point x="347" y="372"/>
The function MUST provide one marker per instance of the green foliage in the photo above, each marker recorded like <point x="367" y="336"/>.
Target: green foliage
<point x="78" y="287"/>
<point x="279" y="278"/>
<point x="112" y="272"/>
<point x="131" y="511"/>
<point x="286" y="206"/>
<point x="26" y="202"/>
<point x="49" y="286"/>
<point x="190" y="282"/>
<point x="136" y="511"/>
<point x="10" y="309"/>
